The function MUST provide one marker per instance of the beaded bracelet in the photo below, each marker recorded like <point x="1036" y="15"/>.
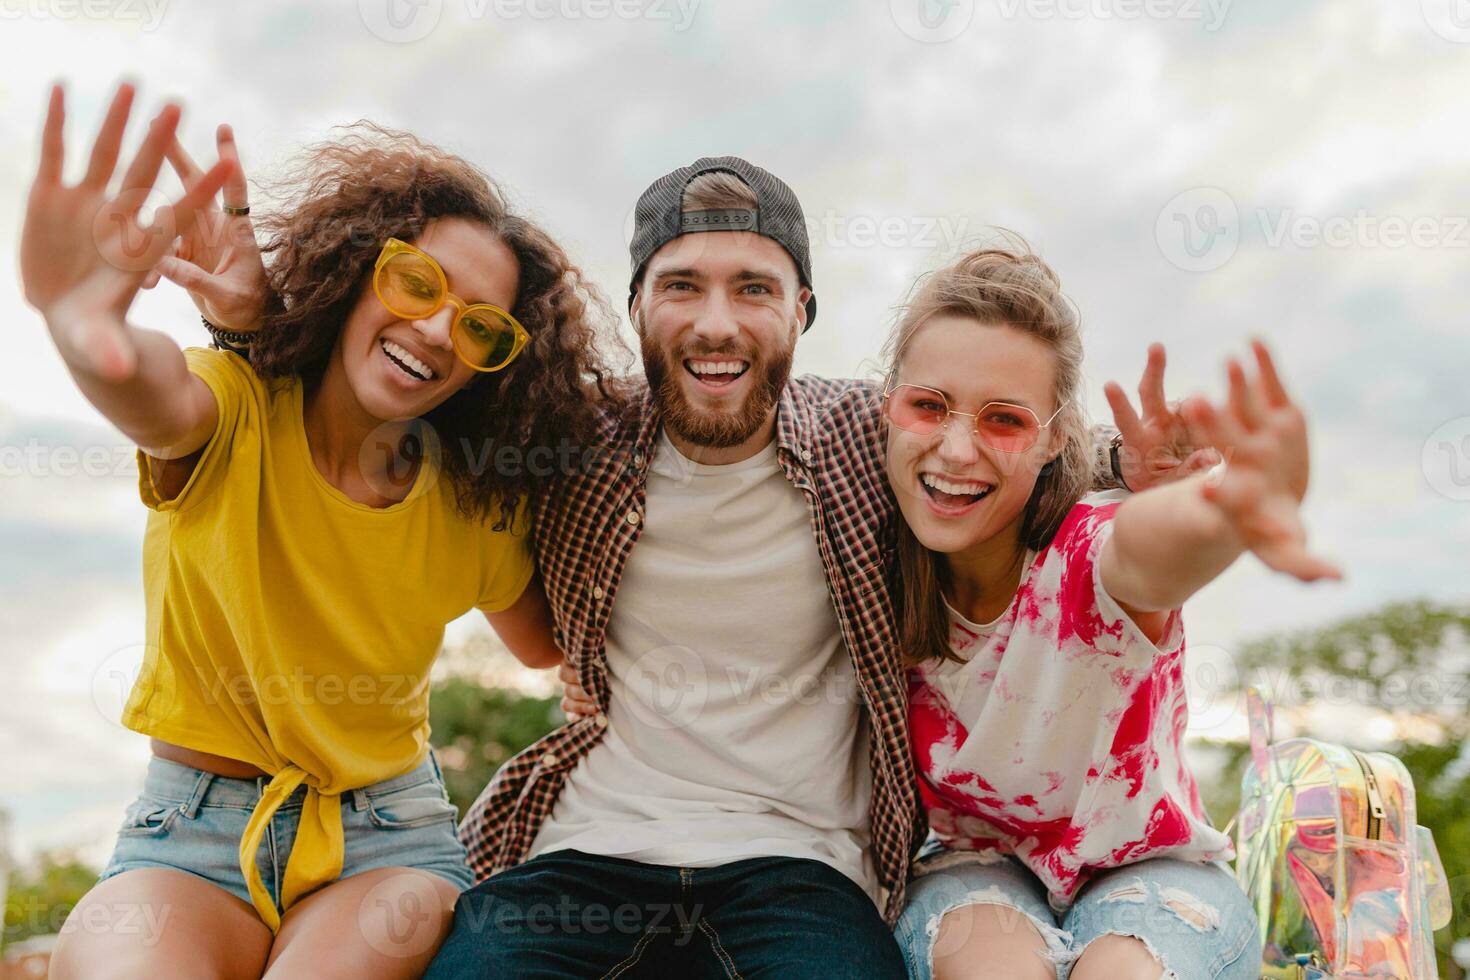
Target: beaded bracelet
<point x="234" y="341"/>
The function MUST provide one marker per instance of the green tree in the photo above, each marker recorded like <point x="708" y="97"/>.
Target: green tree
<point x="40" y="898"/>
<point x="1407" y="657"/>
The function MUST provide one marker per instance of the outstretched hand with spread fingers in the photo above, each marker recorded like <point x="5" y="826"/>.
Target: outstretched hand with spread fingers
<point x="85" y="249"/>
<point x="1262" y="436"/>
<point x="1158" y="446"/>
<point x="217" y="259"/>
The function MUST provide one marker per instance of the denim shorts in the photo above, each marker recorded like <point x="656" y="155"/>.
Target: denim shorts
<point x="191" y="820"/>
<point x="1194" y="918"/>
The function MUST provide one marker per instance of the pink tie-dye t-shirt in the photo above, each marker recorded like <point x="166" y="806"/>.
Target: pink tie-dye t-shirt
<point x="1058" y="739"/>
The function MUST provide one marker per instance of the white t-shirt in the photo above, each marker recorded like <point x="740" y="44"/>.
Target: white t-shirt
<point x="735" y="725"/>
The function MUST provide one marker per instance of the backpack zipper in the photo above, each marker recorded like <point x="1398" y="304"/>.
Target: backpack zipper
<point x="1374" y="830"/>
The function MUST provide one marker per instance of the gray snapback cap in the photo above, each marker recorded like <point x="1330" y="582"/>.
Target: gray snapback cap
<point x="659" y="218"/>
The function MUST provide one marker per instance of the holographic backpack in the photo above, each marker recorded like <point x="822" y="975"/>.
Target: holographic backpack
<point x="1345" y="882"/>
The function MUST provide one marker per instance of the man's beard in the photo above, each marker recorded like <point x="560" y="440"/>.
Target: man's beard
<point x="714" y="429"/>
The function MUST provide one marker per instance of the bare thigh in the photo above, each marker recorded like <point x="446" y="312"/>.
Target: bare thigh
<point x="986" y="940"/>
<point x="1114" y="957"/>
<point x="383" y="923"/>
<point x="157" y="922"/>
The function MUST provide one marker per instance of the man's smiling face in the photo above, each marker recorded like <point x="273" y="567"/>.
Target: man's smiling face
<point x="717" y="315"/>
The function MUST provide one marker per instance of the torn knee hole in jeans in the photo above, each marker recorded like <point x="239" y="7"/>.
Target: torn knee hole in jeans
<point x="1058" y="941"/>
<point x="1168" y="974"/>
<point x="1198" y="915"/>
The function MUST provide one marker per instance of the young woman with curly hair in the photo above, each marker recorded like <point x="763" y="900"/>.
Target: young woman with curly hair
<point x="319" y="510"/>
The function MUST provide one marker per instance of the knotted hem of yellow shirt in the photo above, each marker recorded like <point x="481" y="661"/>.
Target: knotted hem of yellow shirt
<point x="316" y="856"/>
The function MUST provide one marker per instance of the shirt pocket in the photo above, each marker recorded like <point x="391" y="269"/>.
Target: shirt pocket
<point x="413" y="806"/>
<point x="867" y="577"/>
<point x="149" y="817"/>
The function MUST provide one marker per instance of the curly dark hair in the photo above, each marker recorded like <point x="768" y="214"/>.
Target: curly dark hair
<point x="340" y="201"/>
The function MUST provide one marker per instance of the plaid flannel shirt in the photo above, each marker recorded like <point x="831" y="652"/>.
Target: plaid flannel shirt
<point x="829" y="448"/>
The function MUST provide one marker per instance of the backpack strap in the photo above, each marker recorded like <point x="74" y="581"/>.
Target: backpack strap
<point x="1259" y="713"/>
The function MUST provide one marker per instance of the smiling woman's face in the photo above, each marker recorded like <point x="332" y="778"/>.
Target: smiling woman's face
<point x="402" y="369"/>
<point x="955" y="491"/>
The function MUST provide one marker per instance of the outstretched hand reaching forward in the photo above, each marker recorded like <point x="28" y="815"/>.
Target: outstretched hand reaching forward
<point x="1158" y="447"/>
<point x="85" y="249"/>
<point x="217" y="258"/>
<point x="1262" y="436"/>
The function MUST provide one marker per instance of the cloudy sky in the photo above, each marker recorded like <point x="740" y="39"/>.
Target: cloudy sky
<point x="1198" y="171"/>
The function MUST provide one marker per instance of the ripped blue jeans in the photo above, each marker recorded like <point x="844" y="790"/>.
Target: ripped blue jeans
<point x="1193" y="918"/>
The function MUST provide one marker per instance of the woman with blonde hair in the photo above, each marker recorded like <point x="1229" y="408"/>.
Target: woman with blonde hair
<point x="1043" y="626"/>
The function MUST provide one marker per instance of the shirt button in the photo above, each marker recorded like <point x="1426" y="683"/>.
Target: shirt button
<point x="601" y="720"/>
<point x="597" y="592"/>
<point x="806" y="455"/>
<point x="633" y="517"/>
<point x="638" y="459"/>
<point x="549" y="759"/>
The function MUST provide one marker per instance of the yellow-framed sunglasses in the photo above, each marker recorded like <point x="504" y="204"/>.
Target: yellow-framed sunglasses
<point x="413" y="286"/>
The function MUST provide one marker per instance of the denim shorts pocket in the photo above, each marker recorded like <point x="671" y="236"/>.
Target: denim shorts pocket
<point x="413" y="806"/>
<point x="149" y="817"/>
<point x="1228" y="964"/>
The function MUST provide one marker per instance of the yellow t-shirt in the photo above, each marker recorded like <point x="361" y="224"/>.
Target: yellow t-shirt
<point x="293" y="628"/>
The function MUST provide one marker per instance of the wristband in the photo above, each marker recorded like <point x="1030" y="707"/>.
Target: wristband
<point x="234" y="341"/>
<point x="1115" y="444"/>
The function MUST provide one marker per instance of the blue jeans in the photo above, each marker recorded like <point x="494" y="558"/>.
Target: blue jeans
<point x="570" y="914"/>
<point x="1194" y="918"/>
<point x="191" y="820"/>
